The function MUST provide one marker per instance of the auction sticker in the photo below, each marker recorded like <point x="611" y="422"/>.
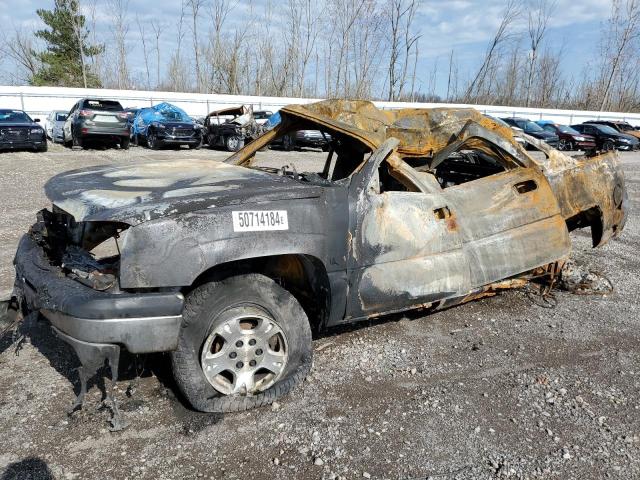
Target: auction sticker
<point x="260" y="220"/>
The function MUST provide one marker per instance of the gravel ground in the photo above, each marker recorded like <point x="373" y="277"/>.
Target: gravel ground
<point x="495" y="388"/>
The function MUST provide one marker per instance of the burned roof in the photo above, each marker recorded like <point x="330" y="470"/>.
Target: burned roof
<point x="421" y="131"/>
<point x="235" y="111"/>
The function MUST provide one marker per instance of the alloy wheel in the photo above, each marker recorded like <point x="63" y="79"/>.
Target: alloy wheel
<point x="246" y="354"/>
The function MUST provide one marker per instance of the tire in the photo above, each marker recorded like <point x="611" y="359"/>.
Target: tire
<point x="565" y="145"/>
<point x="219" y="304"/>
<point x="125" y="143"/>
<point x="288" y="143"/>
<point x="44" y="147"/>
<point x="608" y="145"/>
<point x="76" y="141"/>
<point x="233" y="143"/>
<point x="65" y="142"/>
<point x="152" y="140"/>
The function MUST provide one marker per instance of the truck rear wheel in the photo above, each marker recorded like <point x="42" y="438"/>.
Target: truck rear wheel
<point x="244" y="342"/>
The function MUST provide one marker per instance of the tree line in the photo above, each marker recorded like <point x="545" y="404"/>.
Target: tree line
<point x="325" y="48"/>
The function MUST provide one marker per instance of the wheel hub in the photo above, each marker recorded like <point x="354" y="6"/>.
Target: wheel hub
<point x="244" y="355"/>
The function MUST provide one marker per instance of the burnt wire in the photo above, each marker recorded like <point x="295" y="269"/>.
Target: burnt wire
<point x="138" y="365"/>
<point x="542" y="294"/>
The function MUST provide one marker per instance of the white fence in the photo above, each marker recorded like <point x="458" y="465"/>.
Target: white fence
<point x="39" y="101"/>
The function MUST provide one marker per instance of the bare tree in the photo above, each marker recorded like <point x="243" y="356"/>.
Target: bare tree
<point x="402" y="41"/>
<point x="195" y="6"/>
<point x="157" y="30"/>
<point x="176" y="76"/>
<point x="21" y="50"/>
<point x="410" y="42"/>
<point x="538" y="22"/>
<point x="623" y="31"/>
<point x="143" y="39"/>
<point x="120" y="29"/>
<point x="303" y="22"/>
<point x="510" y="13"/>
<point x="77" y="30"/>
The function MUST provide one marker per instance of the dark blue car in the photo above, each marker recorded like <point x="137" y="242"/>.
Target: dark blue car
<point x="165" y="124"/>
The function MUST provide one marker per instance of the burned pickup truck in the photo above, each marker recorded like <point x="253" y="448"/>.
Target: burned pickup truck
<point x="231" y="128"/>
<point x="231" y="266"/>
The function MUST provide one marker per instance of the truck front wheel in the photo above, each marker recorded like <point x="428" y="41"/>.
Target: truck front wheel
<point x="244" y="342"/>
<point x="234" y="143"/>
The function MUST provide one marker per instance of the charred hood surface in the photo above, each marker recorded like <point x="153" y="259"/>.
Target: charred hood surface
<point x="145" y="191"/>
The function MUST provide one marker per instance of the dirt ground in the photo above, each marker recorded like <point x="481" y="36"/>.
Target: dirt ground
<point x="500" y="387"/>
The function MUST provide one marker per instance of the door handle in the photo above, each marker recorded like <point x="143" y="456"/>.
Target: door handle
<point x="442" y="213"/>
<point x="526" y="186"/>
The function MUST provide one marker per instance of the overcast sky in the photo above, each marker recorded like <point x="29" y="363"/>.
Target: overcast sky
<point x="462" y="25"/>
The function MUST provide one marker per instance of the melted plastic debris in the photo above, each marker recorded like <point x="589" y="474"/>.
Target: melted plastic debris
<point x="580" y="280"/>
<point x="93" y="357"/>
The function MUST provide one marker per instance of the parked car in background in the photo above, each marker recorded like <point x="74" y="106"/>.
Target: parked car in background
<point x="517" y="131"/>
<point x="19" y="131"/>
<point x="53" y="125"/>
<point x="298" y="138"/>
<point x="606" y="137"/>
<point x="533" y="129"/>
<point x="570" y="139"/>
<point x="306" y="138"/>
<point x="231" y="128"/>
<point x="622" y="127"/>
<point x="165" y="124"/>
<point x="131" y="114"/>
<point x="261" y="116"/>
<point x="96" y="119"/>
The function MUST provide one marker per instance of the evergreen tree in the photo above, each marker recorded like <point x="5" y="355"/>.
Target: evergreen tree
<point x="64" y="60"/>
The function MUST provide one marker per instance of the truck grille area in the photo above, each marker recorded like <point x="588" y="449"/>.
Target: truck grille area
<point x="70" y="246"/>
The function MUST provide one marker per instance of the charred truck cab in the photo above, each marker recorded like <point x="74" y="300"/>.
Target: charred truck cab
<point x="230" y="266"/>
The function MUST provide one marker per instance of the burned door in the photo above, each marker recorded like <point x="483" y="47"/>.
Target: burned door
<point x="406" y="248"/>
<point x="509" y="218"/>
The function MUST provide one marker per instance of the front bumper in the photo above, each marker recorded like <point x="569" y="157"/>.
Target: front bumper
<point x="141" y="322"/>
<point x="179" y="140"/>
<point x="626" y="147"/>
<point x="585" y="145"/>
<point x="20" y="144"/>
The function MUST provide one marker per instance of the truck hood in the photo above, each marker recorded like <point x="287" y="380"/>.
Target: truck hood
<point x="137" y="193"/>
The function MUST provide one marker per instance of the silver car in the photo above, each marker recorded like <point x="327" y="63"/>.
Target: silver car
<point x="53" y="125"/>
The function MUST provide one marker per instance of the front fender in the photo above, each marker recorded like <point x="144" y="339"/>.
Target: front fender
<point x="174" y="251"/>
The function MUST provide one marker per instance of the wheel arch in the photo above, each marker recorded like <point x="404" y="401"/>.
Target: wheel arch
<point x="591" y="217"/>
<point x="304" y="276"/>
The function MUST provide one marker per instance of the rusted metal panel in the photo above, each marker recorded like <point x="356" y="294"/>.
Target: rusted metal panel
<point x="403" y="253"/>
